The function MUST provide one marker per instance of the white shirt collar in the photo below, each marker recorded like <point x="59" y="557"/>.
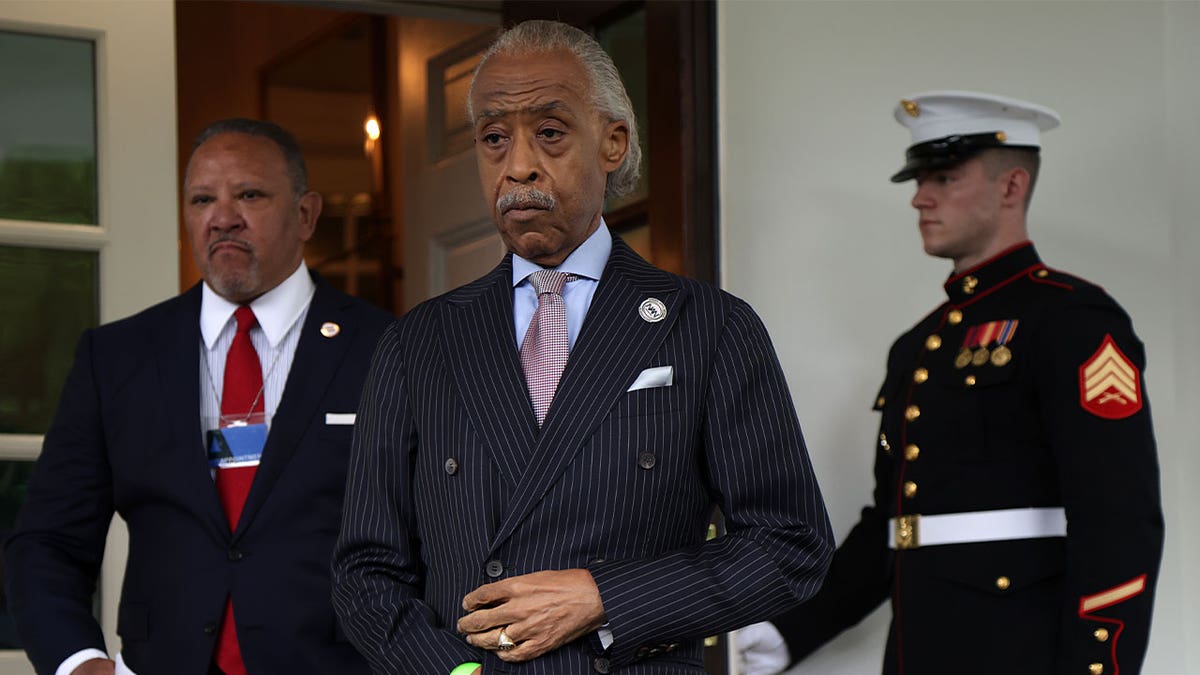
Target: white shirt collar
<point x="587" y="260"/>
<point x="276" y="310"/>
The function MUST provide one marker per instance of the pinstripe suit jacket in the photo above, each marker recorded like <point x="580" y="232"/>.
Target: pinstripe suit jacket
<point x="452" y="484"/>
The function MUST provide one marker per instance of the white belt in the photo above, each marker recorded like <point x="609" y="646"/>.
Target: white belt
<point x="913" y="531"/>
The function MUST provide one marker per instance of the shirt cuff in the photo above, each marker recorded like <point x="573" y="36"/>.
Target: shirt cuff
<point x="605" y="635"/>
<point x="123" y="669"/>
<point x="78" y="658"/>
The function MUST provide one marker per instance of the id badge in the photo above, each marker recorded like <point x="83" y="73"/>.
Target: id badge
<point x="237" y="443"/>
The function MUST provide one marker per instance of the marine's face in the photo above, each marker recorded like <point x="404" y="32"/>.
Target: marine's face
<point x="959" y="210"/>
<point x="544" y="153"/>
<point x="246" y="226"/>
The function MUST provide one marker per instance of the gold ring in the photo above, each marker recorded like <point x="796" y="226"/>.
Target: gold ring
<point x="504" y="643"/>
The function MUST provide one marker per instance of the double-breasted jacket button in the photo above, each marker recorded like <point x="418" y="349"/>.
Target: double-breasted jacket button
<point x="910" y="489"/>
<point x="933" y="342"/>
<point x="912" y="412"/>
<point x="1003" y="583"/>
<point x="955" y="317"/>
<point x="969" y="380"/>
<point x="1101" y="635"/>
<point x="646" y="460"/>
<point x="920" y="375"/>
<point x="210" y="628"/>
<point x="912" y="452"/>
<point x="602" y="666"/>
<point x="494" y="568"/>
<point x="1096" y="669"/>
<point x="451" y="466"/>
<point x="234" y="555"/>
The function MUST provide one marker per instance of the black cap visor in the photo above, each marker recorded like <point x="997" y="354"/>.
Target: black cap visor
<point x="943" y="153"/>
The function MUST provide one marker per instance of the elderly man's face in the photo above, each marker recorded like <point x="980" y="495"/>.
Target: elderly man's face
<point x="246" y="226"/>
<point x="544" y="152"/>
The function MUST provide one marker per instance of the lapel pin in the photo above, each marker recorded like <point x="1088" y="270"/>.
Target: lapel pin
<point x="652" y="310"/>
<point x="330" y="329"/>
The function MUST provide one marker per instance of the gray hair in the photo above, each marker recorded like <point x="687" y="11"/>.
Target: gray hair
<point x="286" y="143"/>
<point x="608" y="92"/>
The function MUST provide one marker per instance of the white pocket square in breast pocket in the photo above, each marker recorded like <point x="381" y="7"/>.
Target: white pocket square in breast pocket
<point x="661" y="376"/>
<point x="339" y="419"/>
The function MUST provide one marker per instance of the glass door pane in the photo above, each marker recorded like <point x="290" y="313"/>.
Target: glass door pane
<point x="47" y="129"/>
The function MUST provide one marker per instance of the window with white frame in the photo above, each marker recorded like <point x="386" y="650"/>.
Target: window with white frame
<point x="49" y="244"/>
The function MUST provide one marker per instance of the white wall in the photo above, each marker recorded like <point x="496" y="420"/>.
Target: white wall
<point x="827" y="250"/>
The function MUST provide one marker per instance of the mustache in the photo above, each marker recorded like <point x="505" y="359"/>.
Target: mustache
<point x="228" y="238"/>
<point x="525" y="197"/>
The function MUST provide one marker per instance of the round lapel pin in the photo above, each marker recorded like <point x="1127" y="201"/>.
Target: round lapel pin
<point x="652" y="310"/>
<point x="330" y="329"/>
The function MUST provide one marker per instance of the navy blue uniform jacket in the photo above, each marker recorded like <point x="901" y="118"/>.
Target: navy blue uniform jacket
<point x="1024" y="389"/>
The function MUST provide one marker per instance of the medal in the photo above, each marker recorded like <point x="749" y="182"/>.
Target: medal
<point x="980" y="357"/>
<point x="963" y="359"/>
<point x="1001" y="356"/>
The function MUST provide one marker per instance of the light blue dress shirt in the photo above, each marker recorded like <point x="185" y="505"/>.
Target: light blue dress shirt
<point x="586" y="262"/>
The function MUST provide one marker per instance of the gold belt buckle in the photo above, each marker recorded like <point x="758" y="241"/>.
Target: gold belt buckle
<point x="907" y="532"/>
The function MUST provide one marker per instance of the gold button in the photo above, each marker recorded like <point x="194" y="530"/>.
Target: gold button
<point x="969" y="380"/>
<point x="933" y="342"/>
<point x="883" y="443"/>
<point x="1101" y="635"/>
<point x="920" y="375"/>
<point x="912" y="412"/>
<point x="1096" y="669"/>
<point x="911" y="452"/>
<point x="955" y="317"/>
<point x="1003" y="583"/>
<point x="1042" y="274"/>
<point x="910" y="489"/>
<point x="880" y="401"/>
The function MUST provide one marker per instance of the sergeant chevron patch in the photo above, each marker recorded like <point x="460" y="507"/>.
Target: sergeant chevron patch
<point x="1109" y="383"/>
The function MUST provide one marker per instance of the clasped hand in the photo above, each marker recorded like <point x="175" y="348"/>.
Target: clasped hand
<point x="540" y="612"/>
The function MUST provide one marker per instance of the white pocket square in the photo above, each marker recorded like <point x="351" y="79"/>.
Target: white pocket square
<point x="339" y="419"/>
<point x="660" y="376"/>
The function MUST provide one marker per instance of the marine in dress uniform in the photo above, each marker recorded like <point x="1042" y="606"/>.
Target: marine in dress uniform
<point x="1016" y="524"/>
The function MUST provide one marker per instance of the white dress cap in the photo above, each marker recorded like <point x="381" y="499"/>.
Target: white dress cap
<point x="939" y="114"/>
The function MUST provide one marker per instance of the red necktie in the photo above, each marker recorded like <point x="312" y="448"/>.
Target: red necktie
<point x="546" y="346"/>
<point x="241" y="399"/>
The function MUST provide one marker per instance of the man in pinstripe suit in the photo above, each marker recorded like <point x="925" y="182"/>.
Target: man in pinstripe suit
<point x="476" y="539"/>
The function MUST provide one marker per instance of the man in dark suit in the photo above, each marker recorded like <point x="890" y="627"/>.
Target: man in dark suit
<point x="532" y="478"/>
<point x="228" y="567"/>
<point x="1016" y="525"/>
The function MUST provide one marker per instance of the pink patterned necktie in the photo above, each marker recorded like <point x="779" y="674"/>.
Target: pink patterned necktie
<point x="546" y="346"/>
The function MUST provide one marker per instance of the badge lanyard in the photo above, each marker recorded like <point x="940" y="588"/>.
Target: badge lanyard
<point x="266" y="378"/>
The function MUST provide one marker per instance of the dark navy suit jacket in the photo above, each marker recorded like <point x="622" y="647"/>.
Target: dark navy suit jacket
<point x="453" y="485"/>
<point x="127" y="438"/>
